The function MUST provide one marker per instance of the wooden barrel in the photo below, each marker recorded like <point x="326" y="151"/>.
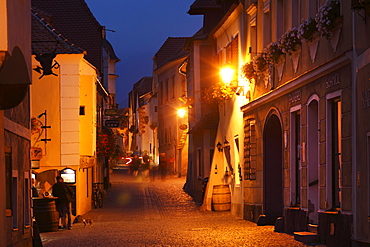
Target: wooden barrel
<point x="221" y="198"/>
<point x="46" y="214"/>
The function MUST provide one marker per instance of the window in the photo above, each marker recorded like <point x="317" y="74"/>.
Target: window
<point x="183" y="86"/>
<point x="173" y="87"/>
<point x="295" y="155"/>
<point x="166" y="92"/>
<point x="336" y="151"/>
<point x="250" y="154"/>
<point x="232" y="54"/>
<point x="9" y="175"/>
<point x="280" y="21"/>
<point x="266" y="27"/>
<point x="252" y="13"/>
<point x="296" y="14"/>
<point x="15" y="199"/>
<point x="161" y="92"/>
<point x="82" y="110"/>
<point x="199" y="161"/>
<point x="27" y="199"/>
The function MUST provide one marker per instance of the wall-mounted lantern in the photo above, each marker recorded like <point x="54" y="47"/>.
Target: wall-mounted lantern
<point x="228" y="78"/>
<point x="219" y="146"/>
<point x="181" y="112"/>
<point x="46" y="62"/>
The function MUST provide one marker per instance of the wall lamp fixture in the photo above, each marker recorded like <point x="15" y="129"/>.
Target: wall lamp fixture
<point x="219" y="146"/>
<point x="228" y="77"/>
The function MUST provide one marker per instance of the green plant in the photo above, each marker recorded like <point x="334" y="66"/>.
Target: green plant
<point x="218" y="93"/>
<point x="260" y="64"/>
<point x="248" y="71"/>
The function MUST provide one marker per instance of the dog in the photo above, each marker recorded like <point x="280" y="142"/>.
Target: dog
<point x="87" y="221"/>
<point x="80" y="219"/>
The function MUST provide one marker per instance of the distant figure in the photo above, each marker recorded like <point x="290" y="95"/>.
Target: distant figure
<point x="136" y="163"/>
<point x="34" y="189"/>
<point x="145" y="165"/>
<point x="153" y="170"/>
<point x="163" y="165"/>
<point x="64" y="202"/>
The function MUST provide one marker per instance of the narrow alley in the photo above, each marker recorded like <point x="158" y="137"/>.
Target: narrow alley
<point x="138" y="212"/>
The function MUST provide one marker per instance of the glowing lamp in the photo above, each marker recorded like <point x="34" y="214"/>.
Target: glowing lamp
<point x="227" y="74"/>
<point x="181" y="112"/>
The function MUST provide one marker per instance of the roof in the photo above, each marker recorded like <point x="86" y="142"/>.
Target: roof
<point x="110" y="51"/>
<point x="171" y="50"/>
<point x="74" y="20"/>
<point x="198" y="7"/>
<point x="45" y="39"/>
<point x="143" y="86"/>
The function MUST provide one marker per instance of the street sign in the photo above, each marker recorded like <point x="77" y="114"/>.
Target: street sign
<point x="112" y="123"/>
<point x="110" y="112"/>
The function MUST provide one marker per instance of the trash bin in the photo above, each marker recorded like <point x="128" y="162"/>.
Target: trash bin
<point x="221" y="198"/>
<point x="46" y="214"/>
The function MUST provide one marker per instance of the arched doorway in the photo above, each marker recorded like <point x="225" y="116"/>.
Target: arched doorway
<point x="313" y="161"/>
<point x="273" y="168"/>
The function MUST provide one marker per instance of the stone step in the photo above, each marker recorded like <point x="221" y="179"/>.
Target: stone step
<point x="306" y="237"/>
<point x="313" y="228"/>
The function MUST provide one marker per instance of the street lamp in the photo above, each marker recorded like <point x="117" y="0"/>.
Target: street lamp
<point x="227" y="74"/>
<point x="181" y="112"/>
<point x="228" y="78"/>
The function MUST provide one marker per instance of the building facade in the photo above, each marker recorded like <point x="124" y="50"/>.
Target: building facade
<point x="299" y="124"/>
<point x="15" y="166"/>
<point x="302" y="162"/>
<point x="172" y="128"/>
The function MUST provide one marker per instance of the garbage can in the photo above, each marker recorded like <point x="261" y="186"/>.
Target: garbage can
<point x="46" y="214"/>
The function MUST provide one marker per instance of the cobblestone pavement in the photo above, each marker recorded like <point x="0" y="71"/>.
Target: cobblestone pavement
<point x="143" y="213"/>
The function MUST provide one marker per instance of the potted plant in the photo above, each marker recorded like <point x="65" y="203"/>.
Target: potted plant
<point x="218" y="93"/>
<point x="308" y="30"/>
<point x="326" y="18"/>
<point x="273" y="53"/>
<point x="289" y="42"/>
<point x="260" y="64"/>
<point x="248" y="71"/>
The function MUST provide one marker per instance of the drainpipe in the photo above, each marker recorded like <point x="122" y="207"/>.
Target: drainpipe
<point x="354" y="130"/>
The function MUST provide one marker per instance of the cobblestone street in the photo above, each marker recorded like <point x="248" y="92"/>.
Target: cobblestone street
<point x="144" y="213"/>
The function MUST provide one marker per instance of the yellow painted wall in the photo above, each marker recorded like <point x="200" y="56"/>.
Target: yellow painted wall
<point x="88" y="121"/>
<point x="45" y="95"/>
<point x="72" y="135"/>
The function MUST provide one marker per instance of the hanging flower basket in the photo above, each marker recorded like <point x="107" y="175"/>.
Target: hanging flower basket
<point x="290" y="42"/>
<point x="273" y="53"/>
<point x="260" y="64"/>
<point x="326" y="17"/>
<point x="308" y="30"/>
<point x="219" y="93"/>
<point x="247" y="71"/>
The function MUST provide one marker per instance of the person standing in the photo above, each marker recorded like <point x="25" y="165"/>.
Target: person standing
<point x="64" y="202"/>
<point x="163" y="165"/>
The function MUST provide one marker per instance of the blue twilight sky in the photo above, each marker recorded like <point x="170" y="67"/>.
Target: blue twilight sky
<point x="141" y="27"/>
